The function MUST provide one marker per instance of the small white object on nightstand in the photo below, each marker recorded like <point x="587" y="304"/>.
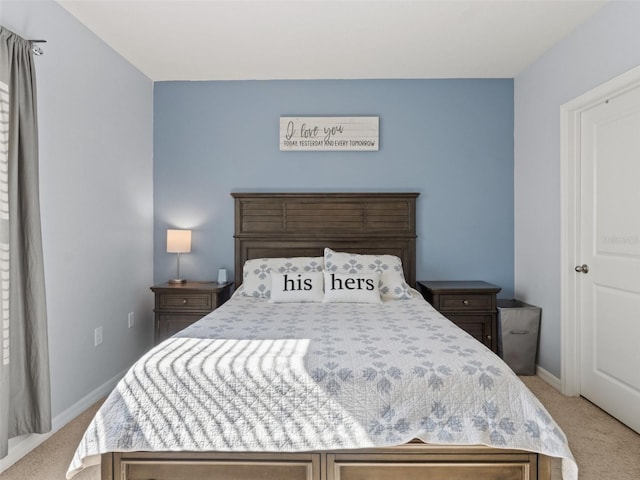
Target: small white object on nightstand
<point x="222" y="275"/>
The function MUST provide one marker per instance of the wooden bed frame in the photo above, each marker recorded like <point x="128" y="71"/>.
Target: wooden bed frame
<point x="302" y="224"/>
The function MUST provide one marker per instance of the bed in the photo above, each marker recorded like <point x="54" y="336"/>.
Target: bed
<point x="343" y="390"/>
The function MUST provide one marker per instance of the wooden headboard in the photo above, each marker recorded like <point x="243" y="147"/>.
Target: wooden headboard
<point x="303" y="224"/>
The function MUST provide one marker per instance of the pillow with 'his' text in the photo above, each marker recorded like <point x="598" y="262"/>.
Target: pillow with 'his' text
<point x="256" y="273"/>
<point x="296" y="287"/>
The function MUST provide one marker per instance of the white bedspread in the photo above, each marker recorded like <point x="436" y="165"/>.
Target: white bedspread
<point x="255" y="376"/>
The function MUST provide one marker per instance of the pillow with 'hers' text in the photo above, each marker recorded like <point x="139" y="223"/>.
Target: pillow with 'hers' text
<point x="392" y="283"/>
<point x="351" y="287"/>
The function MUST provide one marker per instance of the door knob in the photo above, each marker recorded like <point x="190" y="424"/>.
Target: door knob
<point x="584" y="268"/>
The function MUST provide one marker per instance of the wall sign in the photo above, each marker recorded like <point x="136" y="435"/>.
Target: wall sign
<point x="329" y="133"/>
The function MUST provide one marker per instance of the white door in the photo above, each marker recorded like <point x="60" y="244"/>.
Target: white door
<point x="610" y="248"/>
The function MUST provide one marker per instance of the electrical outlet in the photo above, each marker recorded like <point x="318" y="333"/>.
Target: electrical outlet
<point x="97" y="336"/>
<point x="132" y="319"/>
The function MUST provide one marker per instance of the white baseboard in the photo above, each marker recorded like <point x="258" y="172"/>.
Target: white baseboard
<point x="550" y="378"/>
<point x="21" y="446"/>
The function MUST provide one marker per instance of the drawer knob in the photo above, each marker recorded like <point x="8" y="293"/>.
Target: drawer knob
<point x="488" y="337"/>
<point x="465" y="302"/>
<point x="184" y="301"/>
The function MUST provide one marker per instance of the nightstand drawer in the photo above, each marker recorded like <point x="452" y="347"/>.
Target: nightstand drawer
<point x="478" y="326"/>
<point x="171" y="324"/>
<point x="460" y="303"/>
<point x="185" y="301"/>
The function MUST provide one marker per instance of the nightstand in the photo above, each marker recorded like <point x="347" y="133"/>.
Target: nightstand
<point x="471" y="305"/>
<point x="179" y="305"/>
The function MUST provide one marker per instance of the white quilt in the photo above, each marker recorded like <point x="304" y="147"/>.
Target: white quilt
<point x="256" y="376"/>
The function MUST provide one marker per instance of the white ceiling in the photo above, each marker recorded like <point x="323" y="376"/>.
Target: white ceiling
<point x="339" y="39"/>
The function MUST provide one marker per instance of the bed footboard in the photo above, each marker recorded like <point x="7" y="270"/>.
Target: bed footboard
<point x="410" y="461"/>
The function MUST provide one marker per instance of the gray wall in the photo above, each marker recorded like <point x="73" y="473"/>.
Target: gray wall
<point x="450" y="140"/>
<point x="605" y="46"/>
<point x="95" y="128"/>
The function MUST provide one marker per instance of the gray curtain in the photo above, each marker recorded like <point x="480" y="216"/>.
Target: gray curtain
<point x="25" y="400"/>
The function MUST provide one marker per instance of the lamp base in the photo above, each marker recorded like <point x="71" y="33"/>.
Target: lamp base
<point x="177" y="280"/>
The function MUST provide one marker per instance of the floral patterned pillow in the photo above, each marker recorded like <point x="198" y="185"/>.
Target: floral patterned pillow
<point x="256" y="273"/>
<point x="392" y="283"/>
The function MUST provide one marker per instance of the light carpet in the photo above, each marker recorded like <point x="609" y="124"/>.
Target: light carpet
<point x="603" y="447"/>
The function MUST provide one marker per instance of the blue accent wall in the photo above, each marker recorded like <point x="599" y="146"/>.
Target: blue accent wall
<point x="449" y="140"/>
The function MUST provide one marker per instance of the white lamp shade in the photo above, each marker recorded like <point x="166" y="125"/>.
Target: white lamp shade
<point x="178" y="241"/>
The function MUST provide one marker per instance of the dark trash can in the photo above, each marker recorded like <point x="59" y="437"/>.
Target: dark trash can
<point x="518" y="332"/>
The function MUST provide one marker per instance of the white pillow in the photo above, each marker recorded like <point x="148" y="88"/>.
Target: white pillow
<point x="256" y="273"/>
<point x="296" y="287"/>
<point x="352" y="287"/>
<point x="392" y="283"/>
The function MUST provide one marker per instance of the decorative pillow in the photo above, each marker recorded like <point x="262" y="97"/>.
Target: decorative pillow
<point x="296" y="287"/>
<point x="392" y="283"/>
<point x="256" y="273"/>
<point x="352" y="287"/>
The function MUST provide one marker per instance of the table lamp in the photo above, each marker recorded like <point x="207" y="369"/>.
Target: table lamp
<point x="178" y="241"/>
